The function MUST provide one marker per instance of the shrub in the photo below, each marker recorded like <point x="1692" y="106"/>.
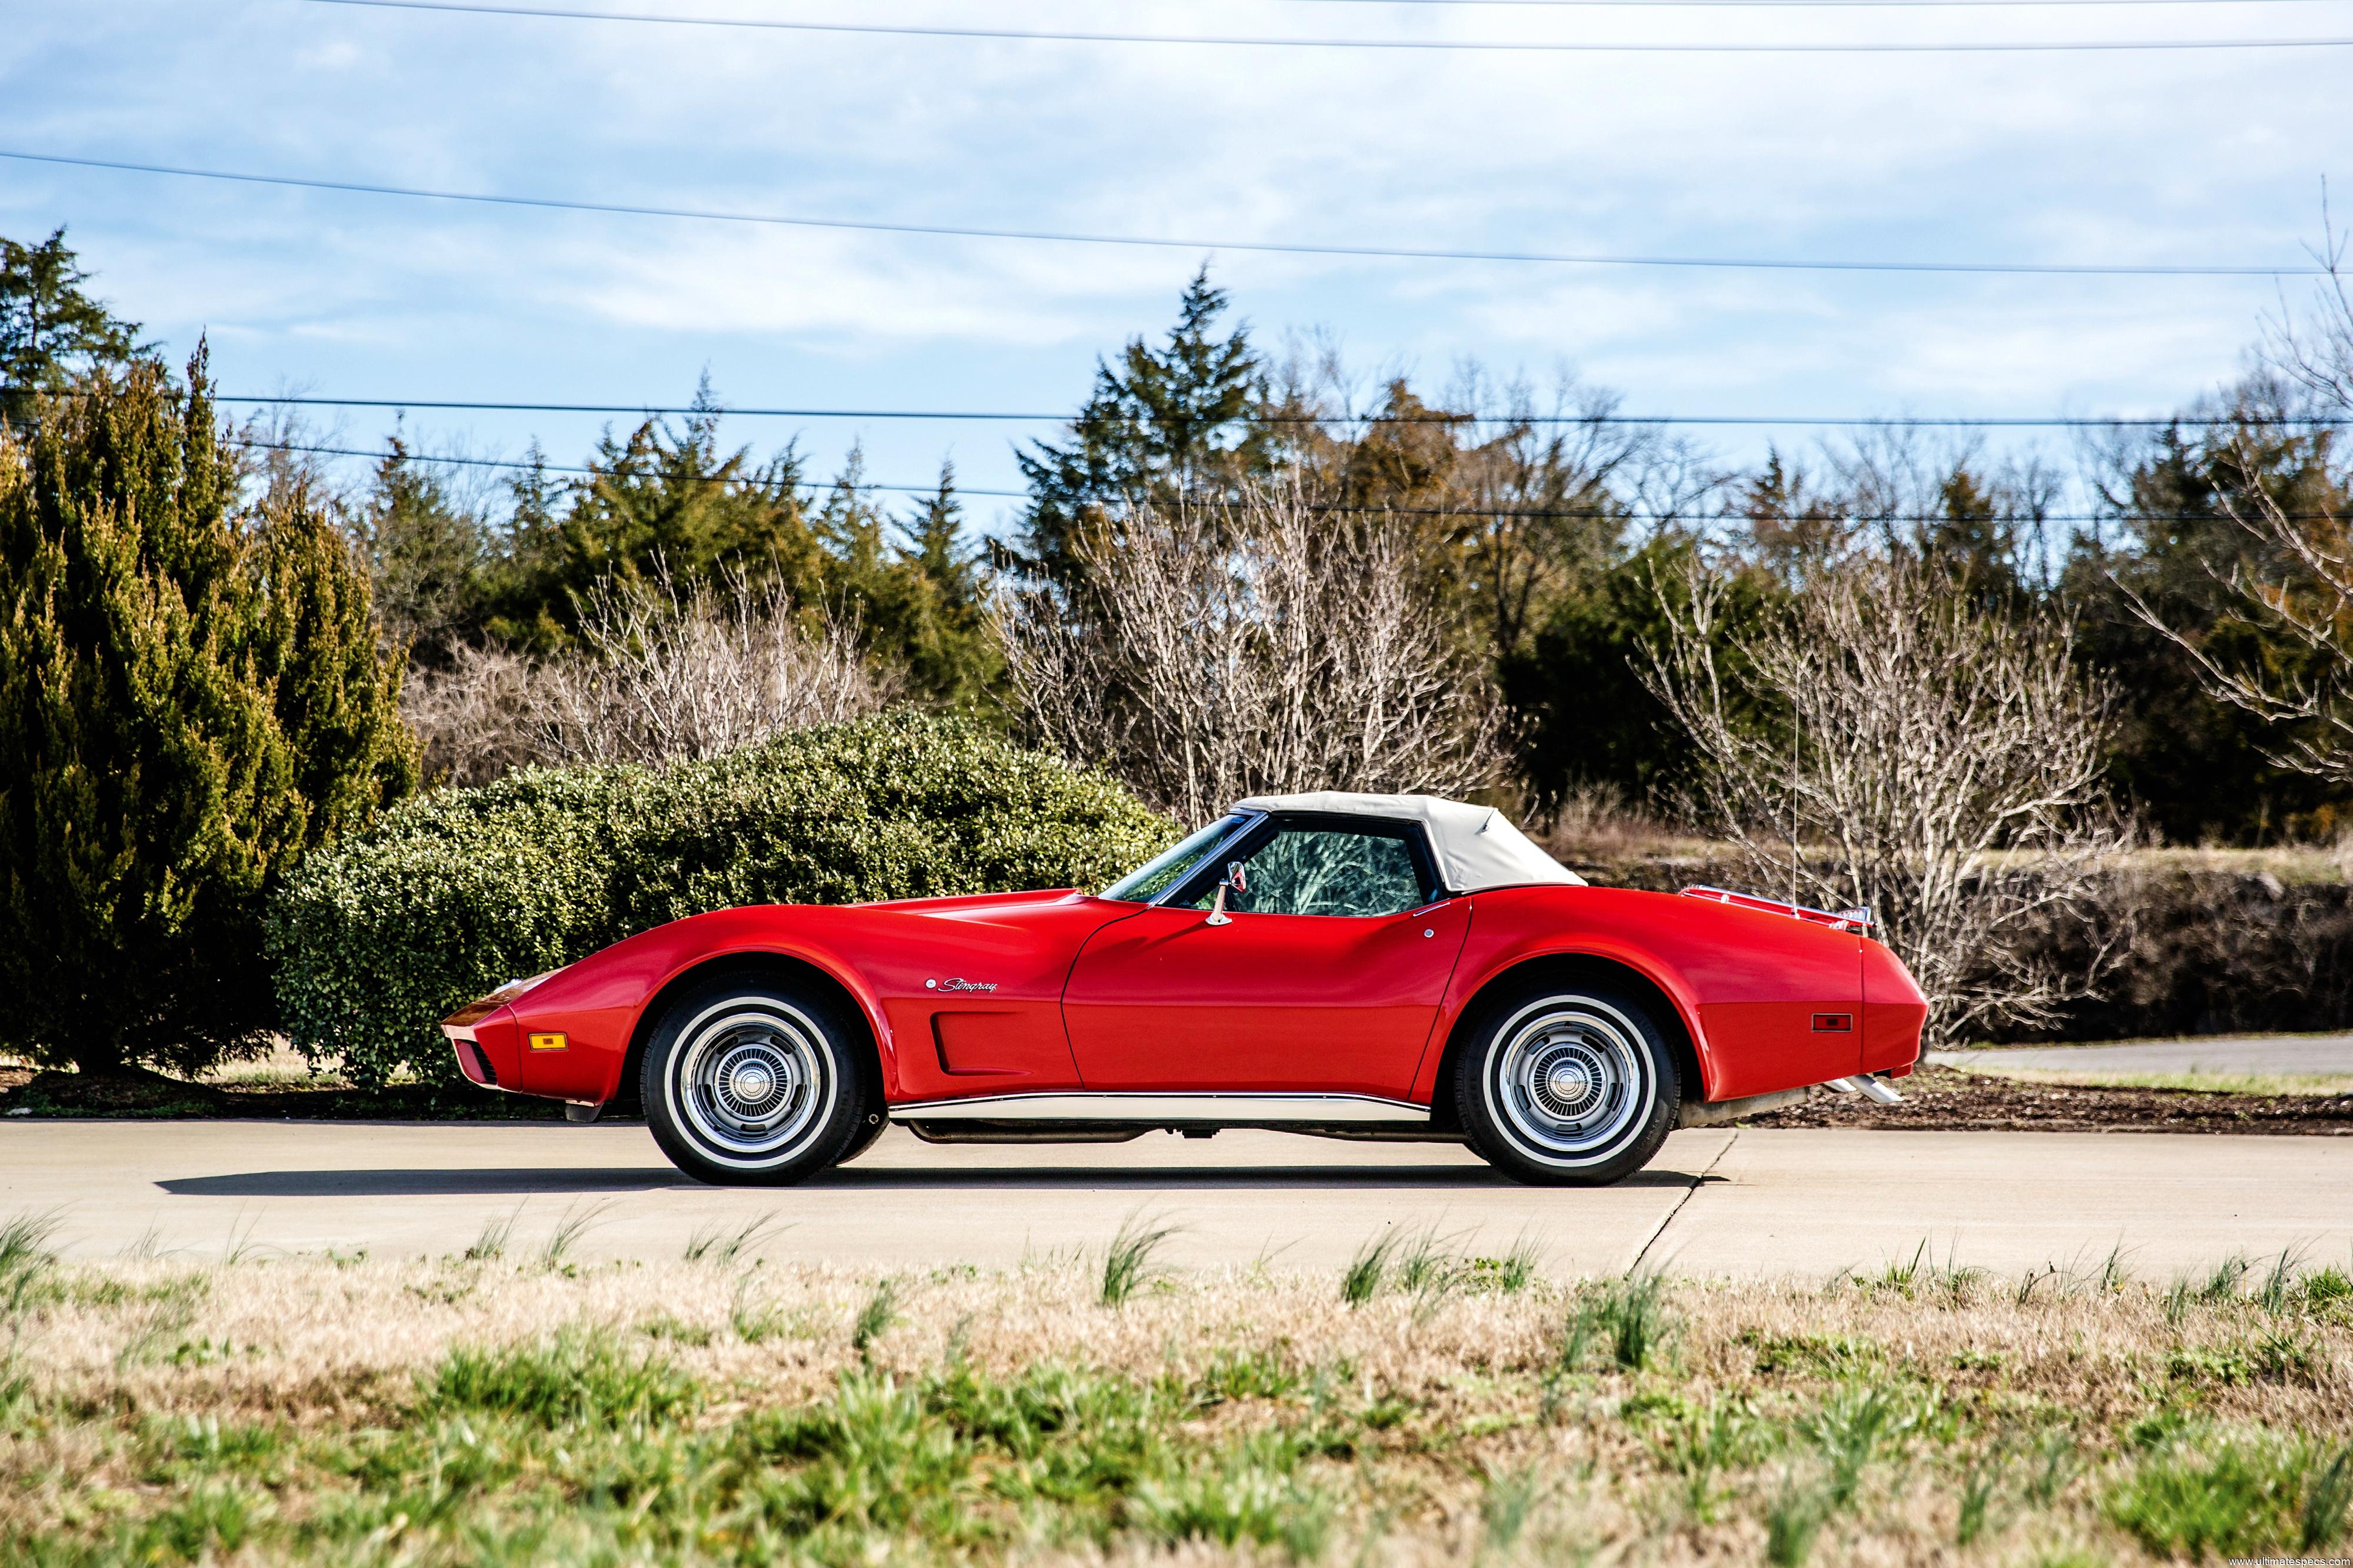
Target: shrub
<point x="455" y="892"/>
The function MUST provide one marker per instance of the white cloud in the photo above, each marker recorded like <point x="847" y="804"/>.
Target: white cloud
<point x="2078" y="157"/>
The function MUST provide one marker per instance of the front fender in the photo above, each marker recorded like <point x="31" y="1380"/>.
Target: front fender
<point x="599" y="1004"/>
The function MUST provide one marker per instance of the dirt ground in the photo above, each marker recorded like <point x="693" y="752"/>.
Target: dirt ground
<point x="1946" y="1100"/>
<point x="26" y="1091"/>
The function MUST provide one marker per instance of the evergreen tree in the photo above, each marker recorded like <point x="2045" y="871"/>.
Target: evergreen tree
<point x="430" y="559"/>
<point x="672" y="501"/>
<point x="1790" y="532"/>
<point x="1973" y="538"/>
<point x="191" y="696"/>
<point x="1585" y="715"/>
<point x="50" y="330"/>
<point x="1167" y="423"/>
<point x="919" y="595"/>
<point x="521" y="613"/>
<point x="944" y="638"/>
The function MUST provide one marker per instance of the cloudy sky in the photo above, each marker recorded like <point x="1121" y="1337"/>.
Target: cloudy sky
<point x="2175" y="157"/>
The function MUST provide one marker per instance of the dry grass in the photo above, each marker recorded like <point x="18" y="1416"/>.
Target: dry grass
<point x="491" y="1412"/>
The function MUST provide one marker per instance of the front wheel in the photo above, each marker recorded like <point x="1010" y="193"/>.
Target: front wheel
<point x="748" y="1082"/>
<point x="1567" y="1087"/>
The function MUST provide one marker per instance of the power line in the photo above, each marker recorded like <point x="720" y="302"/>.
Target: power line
<point x="1589" y="513"/>
<point x="1939" y="422"/>
<point x="1276" y="247"/>
<point x="259" y="445"/>
<point x="1807" y="5"/>
<point x="1474" y="45"/>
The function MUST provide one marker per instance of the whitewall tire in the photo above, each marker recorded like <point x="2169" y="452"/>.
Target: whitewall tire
<point x="1566" y="1086"/>
<point x="747" y="1081"/>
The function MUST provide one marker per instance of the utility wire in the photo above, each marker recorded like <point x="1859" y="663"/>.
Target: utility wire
<point x="1806" y="5"/>
<point x="1589" y="513"/>
<point x="1951" y="421"/>
<point x="254" y="443"/>
<point x="1475" y="45"/>
<point x="1278" y="248"/>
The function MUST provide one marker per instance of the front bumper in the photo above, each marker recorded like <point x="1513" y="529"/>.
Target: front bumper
<point x="487" y="1036"/>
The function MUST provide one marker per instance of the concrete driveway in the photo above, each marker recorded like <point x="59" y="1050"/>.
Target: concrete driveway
<point x="2316" y="1054"/>
<point x="1802" y="1203"/>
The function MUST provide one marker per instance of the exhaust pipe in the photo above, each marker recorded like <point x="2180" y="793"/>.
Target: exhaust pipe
<point x="1867" y="1086"/>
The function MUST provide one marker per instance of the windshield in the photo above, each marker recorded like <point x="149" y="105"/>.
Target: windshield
<point x="1166" y="870"/>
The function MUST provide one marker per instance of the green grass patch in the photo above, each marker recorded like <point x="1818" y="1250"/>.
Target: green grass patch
<point x="576" y="1377"/>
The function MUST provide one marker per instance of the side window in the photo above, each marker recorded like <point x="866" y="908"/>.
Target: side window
<point x="1326" y="871"/>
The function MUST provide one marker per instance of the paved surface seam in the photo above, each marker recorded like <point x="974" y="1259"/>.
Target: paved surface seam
<point x="1697" y="1182"/>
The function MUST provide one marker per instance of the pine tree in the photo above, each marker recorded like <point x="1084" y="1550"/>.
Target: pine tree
<point x="1167" y="423"/>
<point x="919" y="597"/>
<point x="669" y="501"/>
<point x="191" y="695"/>
<point x="946" y="643"/>
<point x="429" y="557"/>
<point x="50" y="330"/>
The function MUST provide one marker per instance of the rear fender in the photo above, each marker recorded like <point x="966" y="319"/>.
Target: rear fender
<point x="1480" y="975"/>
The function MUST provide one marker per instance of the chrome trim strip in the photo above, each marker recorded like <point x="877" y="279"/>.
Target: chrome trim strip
<point x="1157" y="1109"/>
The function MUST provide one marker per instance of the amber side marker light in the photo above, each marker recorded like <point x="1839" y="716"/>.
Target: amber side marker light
<point x="549" y="1042"/>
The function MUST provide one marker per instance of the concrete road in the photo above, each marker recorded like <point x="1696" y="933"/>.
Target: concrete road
<point x="1804" y="1203"/>
<point x="2221" y="1054"/>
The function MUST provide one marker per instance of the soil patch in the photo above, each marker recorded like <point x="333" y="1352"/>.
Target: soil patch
<point x="1948" y="1100"/>
<point x="27" y="1093"/>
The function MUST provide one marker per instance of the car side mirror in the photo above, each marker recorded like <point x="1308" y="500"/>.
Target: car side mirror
<point x="1237" y="881"/>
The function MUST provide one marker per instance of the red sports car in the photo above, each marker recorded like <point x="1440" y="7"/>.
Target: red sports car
<point x="1348" y="965"/>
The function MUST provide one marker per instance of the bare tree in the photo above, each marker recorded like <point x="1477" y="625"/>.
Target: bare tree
<point x="2319" y="350"/>
<point x="661" y="672"/>
<point x="2295" y="589"/>
<point x="1884" y="743"/>
<point x="1224" y="651"/>
<point x="2292" y="582"/>
<point x="472" y="715"/>
<point x="669" y="673"/>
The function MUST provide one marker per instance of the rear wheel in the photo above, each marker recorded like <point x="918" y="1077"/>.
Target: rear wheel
<point x="750" y="1082"/>
<point x="1566" y="1086"/>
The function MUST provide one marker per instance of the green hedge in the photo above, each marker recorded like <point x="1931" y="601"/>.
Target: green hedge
<point x="453" y="893"/>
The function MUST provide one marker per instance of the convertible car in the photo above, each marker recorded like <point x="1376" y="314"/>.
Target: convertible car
<point x="1347" y="965"/>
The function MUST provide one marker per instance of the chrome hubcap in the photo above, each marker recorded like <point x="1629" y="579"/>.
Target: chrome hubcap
<point x="1571" y="1082"/>
<point x="751" y="1080"/>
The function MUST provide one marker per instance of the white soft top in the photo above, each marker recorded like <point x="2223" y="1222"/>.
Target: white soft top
<point x="1475" y="847"/>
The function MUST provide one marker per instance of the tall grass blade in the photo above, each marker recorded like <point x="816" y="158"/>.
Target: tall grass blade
<point x="717" y="1244"/>
<point x="1633" y="1313"/>
<point x="2327" y="1499"/>
<point x="568" y="1231"/>
<point x="874" y="1319"/>
<point x="1369" y="1270"/>
<point x="1128" y="1265"/>
<point x="491" y="1245"/>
